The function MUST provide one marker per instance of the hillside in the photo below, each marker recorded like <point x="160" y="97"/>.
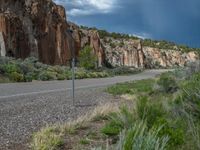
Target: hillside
<point x="25" y="33"/>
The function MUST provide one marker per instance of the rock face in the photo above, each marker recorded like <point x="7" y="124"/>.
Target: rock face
<point x="122" y="52"/>
<point x="92" y="38"/>
<point x="35" y="28"/>
<point x="131" y="53"/>
<point x="167" y="58"/>
<point x="2" y="45"/>
<point x="39" y="28"/>
<point x="88" y="37"/>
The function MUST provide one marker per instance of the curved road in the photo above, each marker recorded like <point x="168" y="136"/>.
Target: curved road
<point x="26" y="107"/>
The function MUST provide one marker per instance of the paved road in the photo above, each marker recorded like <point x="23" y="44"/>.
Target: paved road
<point x="26" y="107"/>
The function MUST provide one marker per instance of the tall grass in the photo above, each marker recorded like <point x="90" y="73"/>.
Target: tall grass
<point x="139" y="137"/>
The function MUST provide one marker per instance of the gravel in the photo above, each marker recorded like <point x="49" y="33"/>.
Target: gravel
<point x="20" y="118"/>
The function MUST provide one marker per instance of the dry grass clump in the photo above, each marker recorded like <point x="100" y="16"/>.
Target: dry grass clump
<point x="55" y="137"/>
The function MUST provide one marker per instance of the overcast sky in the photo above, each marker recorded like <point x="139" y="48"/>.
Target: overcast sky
<point x="173" y="20"/>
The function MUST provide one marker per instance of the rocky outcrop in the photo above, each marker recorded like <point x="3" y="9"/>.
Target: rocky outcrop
<point x="91" y="38"/>
<point x="39" y="28"/>
<point x="2" y="45"/>
<point x="124" y="52"/>
<point x="88" y="37"/>
<point x="131" y="53"/>
<point x="156" y="58"/>
<point x="36" y="28"/>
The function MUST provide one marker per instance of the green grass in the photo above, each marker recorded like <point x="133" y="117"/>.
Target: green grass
<point x="84" y="141"/>
<point x="163" y="105"/>
<point x="142" y="86"/>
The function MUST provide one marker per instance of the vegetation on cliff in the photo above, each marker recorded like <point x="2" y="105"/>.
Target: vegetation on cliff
<point x="161" y="44"/>
<point x="168" y="45"/>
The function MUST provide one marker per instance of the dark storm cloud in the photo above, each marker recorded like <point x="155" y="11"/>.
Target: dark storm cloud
<point x="173" y="20"/>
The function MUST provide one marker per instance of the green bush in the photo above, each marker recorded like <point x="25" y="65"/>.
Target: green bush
<point x="61" y="77"/>
<point x="93" y="75"/>
<point x="112" y="128"/>
<point x="47" y="75"/>
<point x="167" y="83"/>
<point x="80" y="75"/>
<point x="17" y="77"/>
<point x="149" y="111"/>
<point x="87" y="59"/>
<point x="29" y="77"/>
<point x="139" y="137"/>
<point x="119" y="121"/>
<point x="173" y="129"/>
<point x="68" y="75"/>
<point x="10" y="68"/>
<point x="103" y="74"/>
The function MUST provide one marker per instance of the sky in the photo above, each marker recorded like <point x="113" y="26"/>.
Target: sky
<point x="172" y="20"/>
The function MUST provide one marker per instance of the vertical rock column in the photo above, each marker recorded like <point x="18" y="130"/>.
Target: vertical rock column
<point x="2" y="45"/>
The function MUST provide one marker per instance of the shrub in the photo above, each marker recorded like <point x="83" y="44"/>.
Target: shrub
<point x="10" y="68"/>
<point x="68" y="75"/>
<point x="87" y="59"/>
<point x="39" y="65"/>
<point x="47" y="75"/>
<point x="103" y="74"/>
<point x="29" y="77"/>
<point x="112" y="129"/>
<point x="121" y="44"/>
<point x="112" y="45"/>
<point x="17" y="77"/>
<point x="167" y="83"/>
<point x="140" y="138"/>
<point x="26" y="67"/>
<point x="31" y="60"/>
<point x="80" y="75"/>
<point x="173" y="129"/>
<point x="148" y="111"/>
<point x="93" y="75"/>
<point x="61" y="77"/>
<point x="119" y="121"/>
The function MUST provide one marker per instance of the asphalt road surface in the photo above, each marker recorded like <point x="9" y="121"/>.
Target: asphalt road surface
<point x="26" y="107"/>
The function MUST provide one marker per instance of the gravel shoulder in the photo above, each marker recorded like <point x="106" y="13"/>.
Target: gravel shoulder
<point x="26" y="107"/>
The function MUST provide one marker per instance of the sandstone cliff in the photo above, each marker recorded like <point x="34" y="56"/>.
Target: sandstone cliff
<point x="35" y="28"/>
<point x="88" y="37"/>
<point x="167" y="58"/>
<point x="124" y="52"/>
<point x="39" y="28"/>
<point x="131" y="53"/>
